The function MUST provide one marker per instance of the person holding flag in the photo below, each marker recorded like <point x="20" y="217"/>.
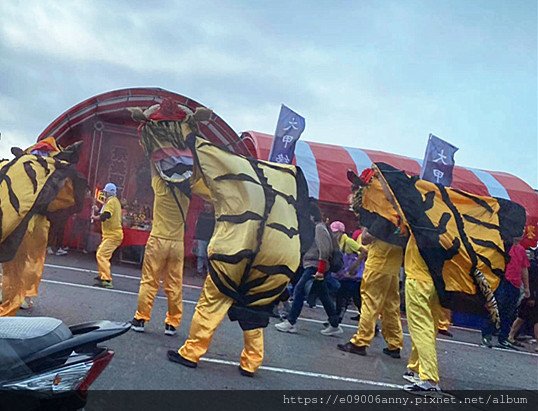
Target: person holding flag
<point x="111" y="231"/>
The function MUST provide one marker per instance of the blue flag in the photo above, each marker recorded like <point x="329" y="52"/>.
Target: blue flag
<point x="288" y="130"/>
<point x="438" y="161"/>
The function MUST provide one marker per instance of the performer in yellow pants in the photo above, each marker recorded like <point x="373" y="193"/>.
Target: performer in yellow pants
<point x="423" y="313"/>
<point x="379" y="295"/>
<point x="37" y="251"/>
<point x="164" y="257"/>
<point x="112" y="234"/>
<point x="16" y="279"/>
<point x="445" y="322"/>
<point x="211" y="309"/>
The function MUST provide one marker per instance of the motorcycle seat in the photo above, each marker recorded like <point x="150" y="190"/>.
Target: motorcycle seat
<point x="21" y="337"/>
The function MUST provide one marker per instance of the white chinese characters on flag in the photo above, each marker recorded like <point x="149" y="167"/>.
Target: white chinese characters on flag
<point x="438" y="161"/>
<point x="288" y="130"/>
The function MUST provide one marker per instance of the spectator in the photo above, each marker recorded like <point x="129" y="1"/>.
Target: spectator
<point x="203" y="232"/>
<point x="58" y="220"/>
<point x="351" y="274"/>
<point x="507" y="295"/>
<point x="528" y="309"/>
<point x="316" y="267"/>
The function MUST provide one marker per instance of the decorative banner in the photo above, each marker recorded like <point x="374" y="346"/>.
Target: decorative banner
<point x="438" y="161"/>
<point x="288" y="130"/>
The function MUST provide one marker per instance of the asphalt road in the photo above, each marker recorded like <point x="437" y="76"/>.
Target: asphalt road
<point x="307" y="360"/>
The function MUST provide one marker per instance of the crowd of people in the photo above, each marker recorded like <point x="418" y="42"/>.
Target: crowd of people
<point x="336" y="268"/>
<point x="369" y="277"/>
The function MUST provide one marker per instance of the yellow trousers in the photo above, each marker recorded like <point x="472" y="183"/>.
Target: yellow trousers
<point x="163" y="260"/>
<point x="37" y="250"/>
<point x="423" y="313"/>
<point x="379" y="295"/>
<point x="211" y="309"/>
<point x="446" y="319"/>
<point x="103" y="256"/>
<point x="16" y="279"/>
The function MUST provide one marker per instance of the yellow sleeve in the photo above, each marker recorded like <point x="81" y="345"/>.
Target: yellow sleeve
<point x="113" y="207"/>
<point x="351" y="246"/>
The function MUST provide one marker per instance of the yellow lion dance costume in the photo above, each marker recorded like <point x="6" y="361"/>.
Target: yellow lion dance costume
<point x="457" y="249"/>
<point x="261" y="228"/>
<point x="37" y="182"/>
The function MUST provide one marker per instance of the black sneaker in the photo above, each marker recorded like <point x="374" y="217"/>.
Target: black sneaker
<point x="137" y="325"/>
<point x="445" y="332"/>
<point x="486" y="340"/>
<point x="392" y="353"/>
<point x="356" y="318"/>
<point x="507" y="345"/>
<point x="169" y="330"/>
<point x="245" y="373"/>
<point x="175" y="357"/>
<point x="352" y="348"/>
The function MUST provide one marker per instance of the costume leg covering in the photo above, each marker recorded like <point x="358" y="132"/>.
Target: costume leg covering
<point x="173" y="282"/>
<point x="373" y="291"/>
<point x="252" y="354"/>
<point x="154" y="264"/>
<point x="445" y="320"/>
<point x="423" y="312"/>
<point x="37" y="251"/>
<point x="391" y="323"/>
<point x="16" y="280"/>
<point x="211" y="309"/>
<point x="103" y="256"/>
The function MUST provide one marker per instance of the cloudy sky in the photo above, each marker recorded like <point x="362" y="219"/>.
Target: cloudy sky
<point x="370" y="74"/>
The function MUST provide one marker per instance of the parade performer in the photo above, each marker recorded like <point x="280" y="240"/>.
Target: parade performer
<point x="380" y="283"/>
<point x="46" y="182"/>
<point x="457" y="251"/>
<point x="164" y="254"/>
<point x="111" y="232"/>
<point x="258" y="208"/>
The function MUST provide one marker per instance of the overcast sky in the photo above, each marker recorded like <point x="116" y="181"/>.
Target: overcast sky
<point x="371" y="74"/>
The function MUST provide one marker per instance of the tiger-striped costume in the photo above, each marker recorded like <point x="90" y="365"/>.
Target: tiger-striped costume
<point x="32" y="184"/>
<point x="261" y="220"/>
<point x="463" y="238"/>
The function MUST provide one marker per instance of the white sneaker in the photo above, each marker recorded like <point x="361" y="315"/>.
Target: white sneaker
<point x="61" y="252"/>
<point x="49" y="251"/>
<point x="330" y="330"/>
<point x="286" y="327"/>
<point x="411" y="376"/>
<point x="422" y="388"/>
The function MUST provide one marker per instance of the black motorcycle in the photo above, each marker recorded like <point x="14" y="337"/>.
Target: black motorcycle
<point x="44" y="364"/>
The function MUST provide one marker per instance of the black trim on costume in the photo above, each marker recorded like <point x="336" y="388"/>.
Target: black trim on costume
<point x="240" y="218"/>
<point x="274" y="269"/>
<point x="477" y="200"/>
<point x="237" y="177"/>
<point x="473" y="220"/>
<point x="497" y="271"/>
<point x="487" y="244"/>
<point x="30" y="172"/>
<point x="43" y="163"/>
<point x="233" y="258"/>
<point x="290" y="232"/>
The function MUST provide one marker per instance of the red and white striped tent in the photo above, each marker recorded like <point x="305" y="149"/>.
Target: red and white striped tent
<point x="325" y="167"/>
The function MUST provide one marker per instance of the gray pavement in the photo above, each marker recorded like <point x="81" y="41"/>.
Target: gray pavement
<point x="306" y="360"/>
